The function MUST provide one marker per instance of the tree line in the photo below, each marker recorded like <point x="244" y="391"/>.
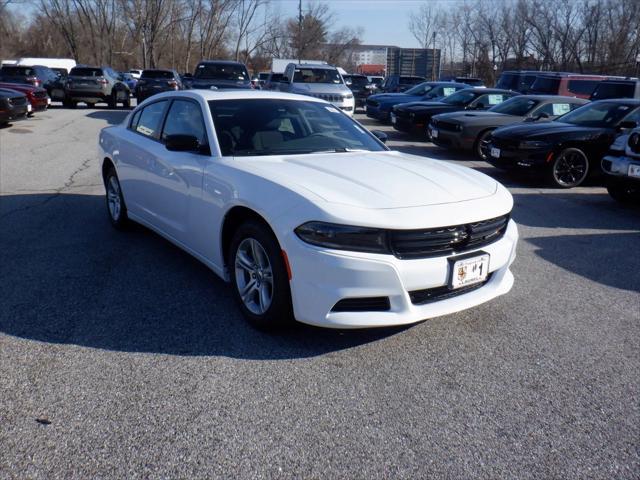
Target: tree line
<point x="170" y="33"/>
<point x="484" y="37"/>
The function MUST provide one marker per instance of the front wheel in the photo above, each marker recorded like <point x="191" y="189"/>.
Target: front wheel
<point x="259" y="276"/>
<point x="482" y="145"/>
<point x="624" y="194"/>
<point x="116" y="207"/>
<point x="569" y="168"/>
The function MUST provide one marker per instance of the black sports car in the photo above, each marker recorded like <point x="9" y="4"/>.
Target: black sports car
<point x="414" y="117"/>
<point x="569" y="148"/>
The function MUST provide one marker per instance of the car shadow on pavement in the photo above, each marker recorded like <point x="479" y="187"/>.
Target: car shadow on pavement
<point x="69" y="278"/>
<point x="112" y="117"/>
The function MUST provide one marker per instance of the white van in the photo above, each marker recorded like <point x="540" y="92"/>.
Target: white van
<point x="56" y="64"/>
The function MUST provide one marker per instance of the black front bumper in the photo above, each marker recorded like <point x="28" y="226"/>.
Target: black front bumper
<point x="511" y="158"/>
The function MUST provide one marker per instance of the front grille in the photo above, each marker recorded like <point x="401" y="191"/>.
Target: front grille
<point x="506" y="143"/>
<point x="18" y="101"/>
<point x="329" y="97"/>
<point x="429" y="295"/>
<point x="40" y="94"/>
<point x="401" y="113"/>
<point x="365" y="304"/>
<point x="372" y="103"/>
<point x="448" y="126"/>
<point x="411" y="244"/>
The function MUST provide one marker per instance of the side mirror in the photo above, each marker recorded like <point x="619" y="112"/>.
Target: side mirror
<point x="627" y="125"/>
<point x="380" y="135"/>
<point x="182" y="143"/>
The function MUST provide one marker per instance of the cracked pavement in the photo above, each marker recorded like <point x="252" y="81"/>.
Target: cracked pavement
<point x="122" y="357"/>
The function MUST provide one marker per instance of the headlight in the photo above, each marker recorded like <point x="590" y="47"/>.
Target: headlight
<point x="348" y="96"/>
<point x="534" y="144"/>
<point x="458" y="127"/>
<point x="343" y="237"/>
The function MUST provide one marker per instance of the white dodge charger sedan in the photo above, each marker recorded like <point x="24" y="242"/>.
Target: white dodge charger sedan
<point x="305" y="212"/>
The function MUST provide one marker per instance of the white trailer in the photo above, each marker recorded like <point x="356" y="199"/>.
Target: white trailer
<point x="279" y="65"/>
<point x="55" y="63"/>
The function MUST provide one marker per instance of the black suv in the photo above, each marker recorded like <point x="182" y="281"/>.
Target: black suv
<point x="400" y="83"/>
<point x="157" y="81"/>
<point x="220" y="74"/>
<point x="93" y="85"/>
<point x="361" y="88"/>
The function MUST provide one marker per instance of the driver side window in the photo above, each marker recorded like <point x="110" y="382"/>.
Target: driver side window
<point x="185" y="118"/>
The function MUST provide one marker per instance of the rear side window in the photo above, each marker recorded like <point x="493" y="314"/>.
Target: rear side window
<point x="157" y="74"/>
<point x="613" y="90"/>
<point x="150" y="120"/>
<point x="18" y="71"/>
<point x="86" y="72"/>
<point x="546" y="85"/>
<point x="582" y="87"/>
<point x="185" y="118"/>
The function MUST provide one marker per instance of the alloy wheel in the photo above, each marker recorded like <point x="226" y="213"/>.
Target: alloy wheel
<point x="254" y="276"/>
<point x="570" y="168"/>
<point x="113" y="198"/>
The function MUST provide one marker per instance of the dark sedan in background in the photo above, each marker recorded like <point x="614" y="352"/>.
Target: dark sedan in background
<point x="566" y="150"/>
<point x="470" y="130"/>
<point x="157" y="81"/>
<point x="379" y="106"/>
<point x="13" y="106"/>
<point x="415" y="117"/>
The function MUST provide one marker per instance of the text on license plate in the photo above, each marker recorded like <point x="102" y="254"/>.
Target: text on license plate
<point x="634" y="170"/>
<point x="434" y="133"/>
<point x="495" y="152"/>
<point x="468" y="271"/>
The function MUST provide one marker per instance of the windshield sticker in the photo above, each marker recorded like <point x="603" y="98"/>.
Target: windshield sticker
<point x="144" y="130"/>
<point x="560" y="108"/>
<point x="446" y="91"/>
<point x="495" y="99"/>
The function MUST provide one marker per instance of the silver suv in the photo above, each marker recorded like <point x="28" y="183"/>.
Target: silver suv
<point x="93" y="85"/>
<point x="320" y="81"/>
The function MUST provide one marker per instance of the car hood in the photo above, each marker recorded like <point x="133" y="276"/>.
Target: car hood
<point x="311" y="88"/>
<point x="544" y="130"/>
<point x="374" y="180"/>
<point x="208" y="83"/>
<point x="480" y="118"/>
<point x="423" y="106"/>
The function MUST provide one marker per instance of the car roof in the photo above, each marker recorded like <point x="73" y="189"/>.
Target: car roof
<point x="546" y="98"/>
<point x="220" y="62"/>
<point x="490" y="90"/>
<point x="236" y="94"/>
<point x="622" y="101"/>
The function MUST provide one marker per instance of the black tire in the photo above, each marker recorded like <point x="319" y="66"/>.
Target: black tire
<point x="112" y="101"/>
<point x="117" y="216"/>
<point x="569" y="168"/>
<point x="127" y="103"/>
<point x="245" y="270"/>
<point x="68" y="103"/>
<point x="481" y="145"/>
<point x="624" y="194"/>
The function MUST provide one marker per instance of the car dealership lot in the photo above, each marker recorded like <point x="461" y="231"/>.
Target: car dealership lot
<point x="138" y="358"/>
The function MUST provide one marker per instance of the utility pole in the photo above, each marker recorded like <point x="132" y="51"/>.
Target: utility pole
<point x="299" y="30"/>
<point x="433" y="59"/>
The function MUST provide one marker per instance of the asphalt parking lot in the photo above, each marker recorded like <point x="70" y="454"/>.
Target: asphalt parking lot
<point x="123" y="357"/>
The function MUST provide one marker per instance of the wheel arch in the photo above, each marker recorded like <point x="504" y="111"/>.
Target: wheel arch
<point x="107" y="164"/>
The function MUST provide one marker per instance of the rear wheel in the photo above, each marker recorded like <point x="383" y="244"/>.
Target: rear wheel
<point x="259" y="276"/>
<point x="569" y="168"/>
<point x="116" y="207"/>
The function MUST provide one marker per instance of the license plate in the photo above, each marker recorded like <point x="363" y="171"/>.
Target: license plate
<point x="29" y="107"/>
<point x="365" y="108"/>
<point x="434" y="133"/>
<point x="495" y="152"/>
<point x="393" y="118"/>
<point x="634" y="170"/>
<point x="469" y="270"/>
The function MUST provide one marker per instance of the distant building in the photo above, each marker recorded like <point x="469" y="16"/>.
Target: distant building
<point x="397" y="61"/>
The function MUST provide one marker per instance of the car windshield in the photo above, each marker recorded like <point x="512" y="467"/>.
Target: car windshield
<point x="86" y="72"/>
<point x="515" y="106"/>
<point x="463" y="97"/>
<point x="358" y="81"/>
<point x="420" y="89"/>
<point x="156" y="74"/>
<point x="266" y="126"/>
<point x="599" y="115"/>
<point x="221" y="71"/>
<point x="316" y="75"/>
